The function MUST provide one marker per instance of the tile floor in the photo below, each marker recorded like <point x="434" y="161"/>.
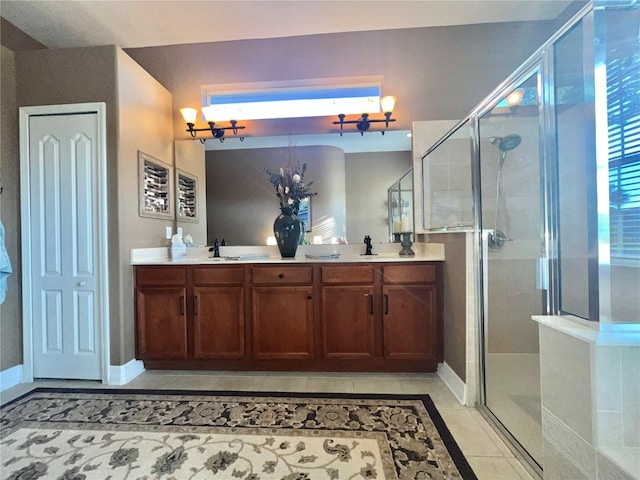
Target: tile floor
<point x="485" y="451"/>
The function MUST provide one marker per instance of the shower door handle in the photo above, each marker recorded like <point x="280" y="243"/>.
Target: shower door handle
<point x="542" y="274"/>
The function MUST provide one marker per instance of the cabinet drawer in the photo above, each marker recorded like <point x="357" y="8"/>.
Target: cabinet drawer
<point x="277" y="275"/>
<point x="218" y="275"/>
<point x="347" y="274"/>
<point x="160" y="276"/>
<point x="409" y="273"/>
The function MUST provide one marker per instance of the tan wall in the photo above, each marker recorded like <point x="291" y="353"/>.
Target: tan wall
<point x="455" y="300"/>
<point x="242" y="204"/>
<point x="11" y="309"/>
<point x="138" y="117"/>
<point x="145" y="124"/>
<point x="436" y="73"/>
<point x="368" y="178"/>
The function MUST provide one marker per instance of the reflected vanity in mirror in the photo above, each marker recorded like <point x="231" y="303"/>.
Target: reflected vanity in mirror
<point x="237" y="202"/>
<point x="350" y="187"/>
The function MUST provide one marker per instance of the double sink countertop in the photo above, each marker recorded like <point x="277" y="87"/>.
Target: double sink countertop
<point x="382" y="252"/>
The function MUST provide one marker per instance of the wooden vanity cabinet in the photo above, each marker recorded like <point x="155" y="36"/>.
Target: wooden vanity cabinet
<point x="348" y="312"/>
<point x="218" y="312"/>
<point x="331" y="316"/>
<point x="282" y="312"/>
<point x="411" y="321"/>
<point x="161" y="313"/>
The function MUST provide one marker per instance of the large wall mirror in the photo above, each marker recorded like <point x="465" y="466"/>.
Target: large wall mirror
<point x="241" y="205"/>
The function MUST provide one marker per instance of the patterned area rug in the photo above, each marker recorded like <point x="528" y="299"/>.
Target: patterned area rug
<point x="88" y="434"/>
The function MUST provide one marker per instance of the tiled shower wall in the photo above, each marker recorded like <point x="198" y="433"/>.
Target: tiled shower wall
<point x="590" y="405"/>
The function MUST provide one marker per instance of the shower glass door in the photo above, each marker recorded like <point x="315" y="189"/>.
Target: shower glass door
<point x="511" y="218"/>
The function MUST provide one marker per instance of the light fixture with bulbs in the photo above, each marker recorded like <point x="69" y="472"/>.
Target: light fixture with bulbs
<point x="190" y="115"/>
<point x="364" y="122"/>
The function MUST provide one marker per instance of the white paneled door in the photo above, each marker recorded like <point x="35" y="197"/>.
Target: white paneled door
<point x="65" y="281"/>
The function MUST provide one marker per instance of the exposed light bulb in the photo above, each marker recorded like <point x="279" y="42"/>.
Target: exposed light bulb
<point x="387" y="103"/>
<point x="189" y="114"/>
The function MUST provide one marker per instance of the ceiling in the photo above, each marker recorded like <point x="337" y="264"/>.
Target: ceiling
<point x="146" y="23"/>
<point x="136" y="24"/>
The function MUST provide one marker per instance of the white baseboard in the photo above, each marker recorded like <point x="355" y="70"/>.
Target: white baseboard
<point x="121" y="374"/>
<point x="453" y="381"/>
<point x="10" y="377"/>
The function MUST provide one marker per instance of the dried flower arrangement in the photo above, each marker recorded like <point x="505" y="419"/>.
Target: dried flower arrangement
<point x="290" y="186"/>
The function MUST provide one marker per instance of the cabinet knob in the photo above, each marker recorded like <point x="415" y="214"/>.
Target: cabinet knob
<point x="281" y="275"/>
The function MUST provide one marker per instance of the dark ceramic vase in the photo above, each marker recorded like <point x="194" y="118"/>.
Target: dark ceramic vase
<point x="288" y="231"/>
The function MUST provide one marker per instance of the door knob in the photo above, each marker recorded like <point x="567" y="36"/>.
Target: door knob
<point x="82" y="284"/>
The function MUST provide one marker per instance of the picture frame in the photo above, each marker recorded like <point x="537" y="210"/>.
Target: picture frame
<point x="186" y="196"/>
<point x="155" y="187"/>
<point x="304" y="213"/>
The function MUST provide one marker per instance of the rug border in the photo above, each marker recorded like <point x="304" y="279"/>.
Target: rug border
<point x="447" y="438"/>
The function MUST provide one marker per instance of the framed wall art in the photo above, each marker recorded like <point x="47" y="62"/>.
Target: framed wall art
<point x="155" y="187"/>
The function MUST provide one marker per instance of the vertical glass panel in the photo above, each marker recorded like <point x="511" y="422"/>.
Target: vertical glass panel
<point x="401" y="206"/>
<point x="623" y="117"/>
<point x="447" y="182"/>
<point x="511" y="219"/>
<point x="574" y="172"/>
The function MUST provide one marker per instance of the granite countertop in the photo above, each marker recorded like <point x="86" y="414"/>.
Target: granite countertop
<point x="384" y="252"/>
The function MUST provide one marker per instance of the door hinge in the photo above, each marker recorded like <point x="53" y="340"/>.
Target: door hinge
<point x="542" y="273"/>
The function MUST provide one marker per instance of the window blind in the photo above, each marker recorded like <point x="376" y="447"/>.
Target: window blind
<point x="623" y="111"/>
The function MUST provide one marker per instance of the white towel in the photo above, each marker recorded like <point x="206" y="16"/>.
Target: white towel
<point x="5" y="265"/>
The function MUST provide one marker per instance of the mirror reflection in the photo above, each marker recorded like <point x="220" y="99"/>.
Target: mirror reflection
<point x="240" y="204"/>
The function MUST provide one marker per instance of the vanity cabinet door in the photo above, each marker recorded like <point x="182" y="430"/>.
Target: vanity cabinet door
<point x="410" y="322"/>
<point x="161" y="323"/>
<point x="348" y="327"/>
<point x="218" y="322"/>
<point x="282" y="323"/>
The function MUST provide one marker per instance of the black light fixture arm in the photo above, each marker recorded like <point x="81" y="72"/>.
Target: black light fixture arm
<point x="217" y="132"/>
<point x="364" y="122"/>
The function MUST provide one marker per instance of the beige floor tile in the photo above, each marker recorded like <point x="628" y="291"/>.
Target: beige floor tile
<point x="471" y="437"/>
<point x="283" y="384"/>
<point x="522" y="470"/>
<point x="373" y="385"/>
<point x="329" y="385"/>
<point x="414" y="386"/>
<point x="236" y="382"/>
<point x="15" y="392"/>
<point x="442" y="396"/>
<point x="192" y="382"/>
<point x="149" y="381"/>
<point x="494" y="468"/>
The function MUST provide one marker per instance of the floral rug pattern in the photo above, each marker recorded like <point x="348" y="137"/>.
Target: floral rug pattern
<point x="115" y="434"/>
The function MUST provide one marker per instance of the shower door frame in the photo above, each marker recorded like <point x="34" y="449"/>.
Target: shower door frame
<point x="542" y="62"/>
<point x="535" y="66"/>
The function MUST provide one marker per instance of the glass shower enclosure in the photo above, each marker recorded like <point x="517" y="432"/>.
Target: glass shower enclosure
<point x="555" y="189"/>
<point x="509" y="218"/>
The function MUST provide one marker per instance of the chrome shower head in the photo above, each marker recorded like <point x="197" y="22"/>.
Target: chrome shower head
<point x="509" y="142"/>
